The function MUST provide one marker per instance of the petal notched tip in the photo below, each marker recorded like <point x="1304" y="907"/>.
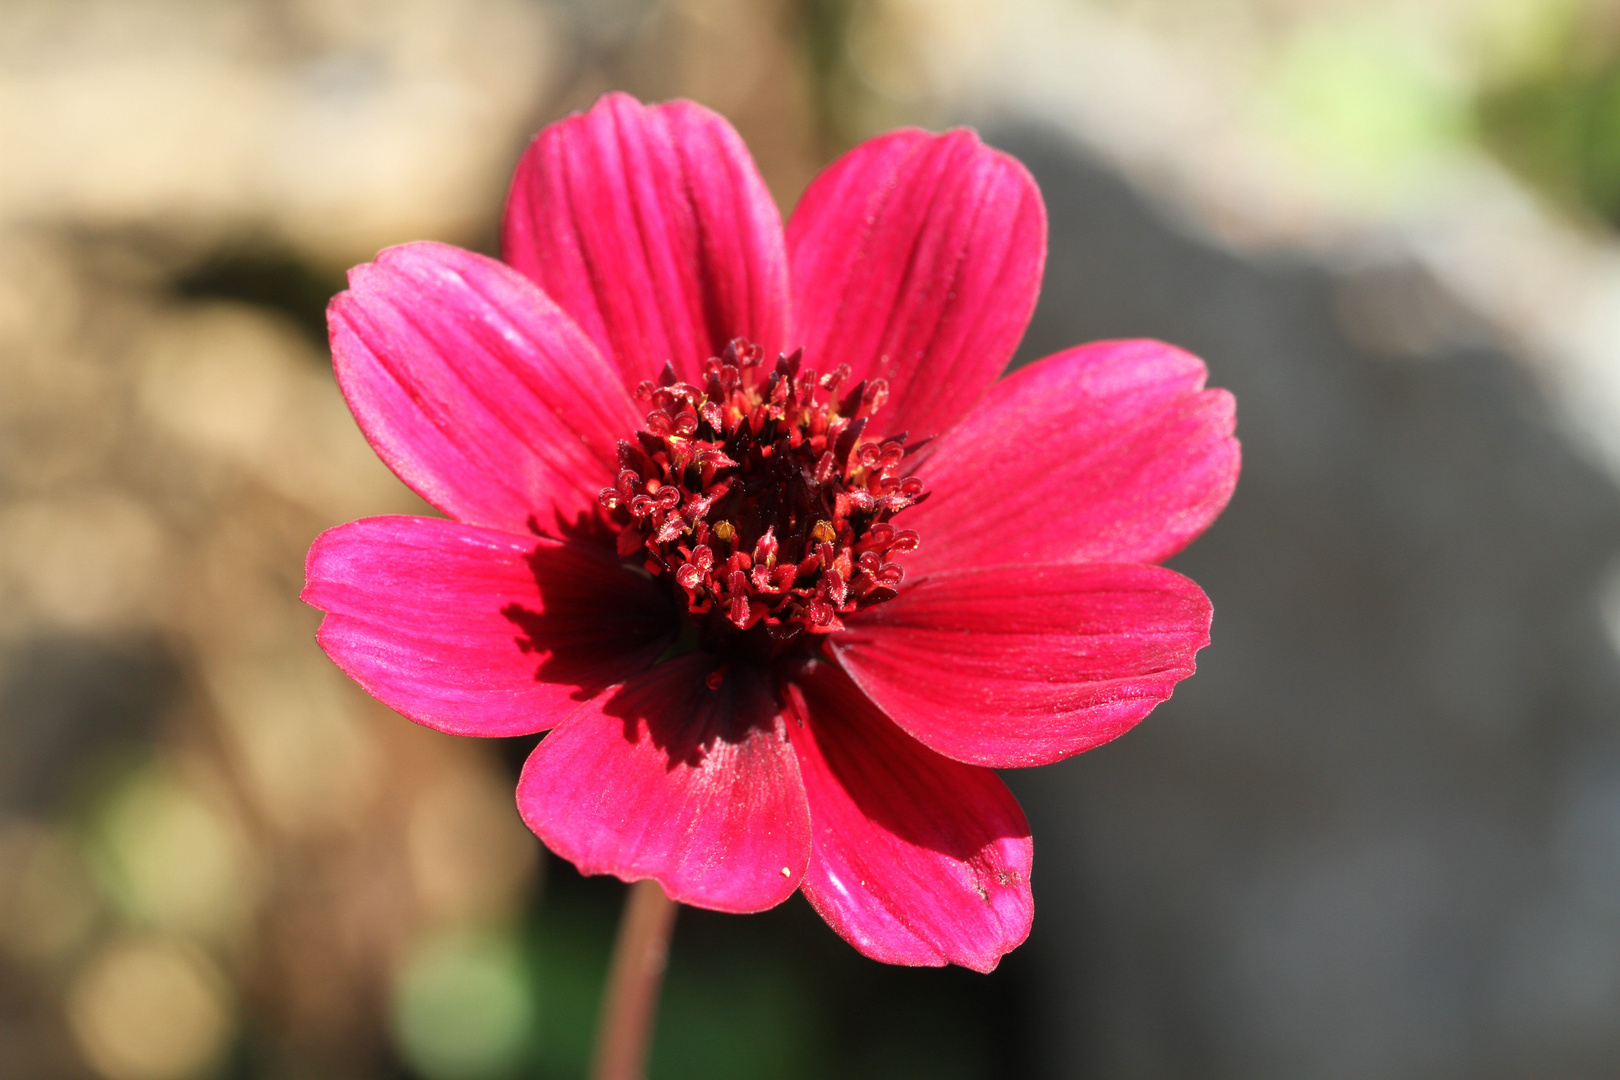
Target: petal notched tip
<point x="918" y="859"/>
<point x="1134" y="459"/>
<point x="1016" y="666"/>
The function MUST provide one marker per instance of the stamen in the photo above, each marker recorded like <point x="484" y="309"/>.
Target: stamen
<point x="760" y="497"/>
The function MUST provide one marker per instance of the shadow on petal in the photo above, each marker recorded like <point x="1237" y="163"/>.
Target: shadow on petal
<point x="597" y="622"/>
<point x="586" y="527"/>
<point x="669" y="777"/>
<point x="698" y="705"/>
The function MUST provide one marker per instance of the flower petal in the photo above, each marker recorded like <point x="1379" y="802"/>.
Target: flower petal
<point x="478" y="632"/>
<point x="651" y="226"/>
<point x="917" y="859"/>
<point x="1110" y="452"/>
<point x="477" y="391"/>
<point x="668" y="779"/>
<point x="1015" y="665"/>
<point x="917" y="258"/>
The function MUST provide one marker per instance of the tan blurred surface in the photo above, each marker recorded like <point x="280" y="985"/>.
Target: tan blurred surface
<point x="270" y="844"/>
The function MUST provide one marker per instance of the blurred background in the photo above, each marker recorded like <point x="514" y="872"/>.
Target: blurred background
<point x="1378" y="835"/>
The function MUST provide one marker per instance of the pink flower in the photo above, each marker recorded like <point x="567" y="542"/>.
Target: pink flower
<point x="781" y="622"/>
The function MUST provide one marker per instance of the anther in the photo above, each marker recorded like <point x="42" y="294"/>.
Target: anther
<point x="877" y="392"/>
<point x="765" y="550"/>
<point x="836" y="587"/>
<point x="831" y="381"/>
<point x="903" y="542"/>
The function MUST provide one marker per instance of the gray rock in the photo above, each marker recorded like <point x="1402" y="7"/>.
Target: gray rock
<point x="1378" y="834"/>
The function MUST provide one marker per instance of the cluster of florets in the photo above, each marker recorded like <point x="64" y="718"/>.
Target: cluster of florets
<point x="759" y="498"/>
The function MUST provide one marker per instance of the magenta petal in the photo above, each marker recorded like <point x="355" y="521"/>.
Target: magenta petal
<point x="668" y="779"/>
<point x="1110" y="452"/>
<point x="477" y="391"/>
<point x="652" y="228"/>
<point x="916" y="859"/>
<point x="1014" y="666"/>
<point x="478" y="632"/>
<point x="917" y="258"/>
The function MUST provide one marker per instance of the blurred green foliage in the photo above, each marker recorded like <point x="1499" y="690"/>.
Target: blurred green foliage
<point x="773" y="995"/>
<point x="1557" y="124"/>
<point x="464" y="1006"/>
<point x="1368" y="105"/>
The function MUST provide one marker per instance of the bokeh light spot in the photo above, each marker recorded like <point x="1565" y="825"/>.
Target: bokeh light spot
<point x="150" y="1010"/>
<point x="464" y="1007"/>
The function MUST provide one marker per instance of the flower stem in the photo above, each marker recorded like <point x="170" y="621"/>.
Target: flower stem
<point x="630" y="1002"/>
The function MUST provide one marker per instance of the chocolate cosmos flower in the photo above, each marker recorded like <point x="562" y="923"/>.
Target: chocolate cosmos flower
<point x="745" y="519"/>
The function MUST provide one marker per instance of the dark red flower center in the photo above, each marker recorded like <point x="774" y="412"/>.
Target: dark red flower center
<point x="759" y="498"/>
